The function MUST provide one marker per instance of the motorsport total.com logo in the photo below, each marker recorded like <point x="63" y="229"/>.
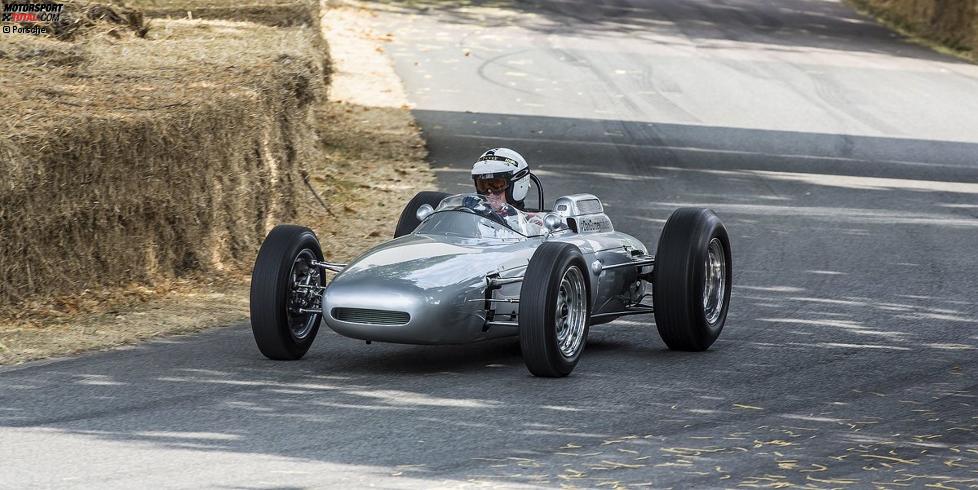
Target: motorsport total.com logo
<point x="31" y="14"/>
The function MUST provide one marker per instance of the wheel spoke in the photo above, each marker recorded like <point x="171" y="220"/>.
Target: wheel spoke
<point x="571" y="312"/>
<point x="714" y="285"/>
<point x="303" y="274"/>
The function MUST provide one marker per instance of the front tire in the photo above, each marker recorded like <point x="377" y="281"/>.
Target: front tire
<point x="284" y="261"/>
<point x="555" y="309"/>
<point x="409" y="219"/>
<point x="693" y="276"/>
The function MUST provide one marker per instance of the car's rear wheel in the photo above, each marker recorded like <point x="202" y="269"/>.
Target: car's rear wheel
<point x="286" y="292"/>
<point x="409" y="219"/>
<point x="693" y="276"/>
<point x="555" y="310"/>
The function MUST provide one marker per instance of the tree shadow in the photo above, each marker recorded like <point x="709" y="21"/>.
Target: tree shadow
<point x="791" y="26"/>
<point x="848" y="352"/>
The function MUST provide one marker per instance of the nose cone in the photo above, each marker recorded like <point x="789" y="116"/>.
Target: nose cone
<point x="416" y="289"/>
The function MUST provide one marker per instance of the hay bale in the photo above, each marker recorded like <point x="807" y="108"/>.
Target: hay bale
<point x="78" y="18"/>
<point x="281" y="13"/>
<point x="134" y="159"/>
<point x="289" y="14"/>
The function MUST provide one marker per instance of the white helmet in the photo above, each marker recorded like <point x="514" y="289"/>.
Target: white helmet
<point x="503" y="163"/>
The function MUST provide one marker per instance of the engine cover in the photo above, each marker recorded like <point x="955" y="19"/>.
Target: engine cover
<point x="584" y="213"/>
<point x="578" y="205"/>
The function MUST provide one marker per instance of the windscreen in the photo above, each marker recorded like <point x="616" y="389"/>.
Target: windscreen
<point x="460" y="223"/>
<point x="471" y="215"/>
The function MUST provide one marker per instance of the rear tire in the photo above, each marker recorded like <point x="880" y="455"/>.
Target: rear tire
<point x="409" y="219"/>
<point x="280" y="332"/>
<point x="555" y="310"/>
<point x="693" y="275"/>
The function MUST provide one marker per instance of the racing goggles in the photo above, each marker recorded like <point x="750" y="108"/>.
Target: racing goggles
<point x="491" y="186"/>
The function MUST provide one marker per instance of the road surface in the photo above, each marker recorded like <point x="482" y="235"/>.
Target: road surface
<point x="843" y="162"/>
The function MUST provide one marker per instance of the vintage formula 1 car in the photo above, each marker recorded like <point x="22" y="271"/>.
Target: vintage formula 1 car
<point x="459" y="271"/>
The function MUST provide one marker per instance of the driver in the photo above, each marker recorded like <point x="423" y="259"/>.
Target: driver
<point x="503" y="176"/>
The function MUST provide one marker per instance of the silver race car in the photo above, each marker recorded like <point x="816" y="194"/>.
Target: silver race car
<point x="460" y="271"/>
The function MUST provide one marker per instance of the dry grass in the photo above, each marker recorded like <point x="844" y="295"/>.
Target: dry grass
<point x="364" y="161"/>
<point x="952" y="25"/>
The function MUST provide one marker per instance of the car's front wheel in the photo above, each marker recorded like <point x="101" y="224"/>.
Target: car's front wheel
<point x="693" y="276"/>
<point x="555" y="309"/>
<point x="286" y="292"/>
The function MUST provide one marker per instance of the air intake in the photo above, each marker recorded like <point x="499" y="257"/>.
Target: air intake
<point x="371" y="317"/>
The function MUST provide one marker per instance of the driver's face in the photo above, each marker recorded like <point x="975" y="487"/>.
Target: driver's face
<point x="496" y="199"/>
<point x="491" y="186"/>
<point x="494" y="190"/>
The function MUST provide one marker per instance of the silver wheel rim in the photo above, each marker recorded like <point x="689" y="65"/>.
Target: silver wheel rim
<point x="571" y="312"/>
<point x="302" y="273"/>
<point x="715" y="281"/>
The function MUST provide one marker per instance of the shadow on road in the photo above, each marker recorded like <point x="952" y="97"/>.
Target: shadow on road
<point x="789" y="27"/>
<point x="848" y="356"/>
<point x="849" y="353"/>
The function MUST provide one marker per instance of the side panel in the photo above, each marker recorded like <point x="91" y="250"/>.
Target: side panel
<point x="611" y="289"/>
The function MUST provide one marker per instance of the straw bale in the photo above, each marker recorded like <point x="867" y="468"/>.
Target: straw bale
<point x="130" y="159"/>
<point x="78" y="18"/>
<point x="278" y="14"/>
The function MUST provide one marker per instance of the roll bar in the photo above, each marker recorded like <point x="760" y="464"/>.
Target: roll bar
<point x="539" y="185"/>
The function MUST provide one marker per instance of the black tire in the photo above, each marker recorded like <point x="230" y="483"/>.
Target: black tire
<point x="538" y="304"/>
<point x="271" y="289"/>
<point x="409" y="219"/>
<point x="680" y="276"/>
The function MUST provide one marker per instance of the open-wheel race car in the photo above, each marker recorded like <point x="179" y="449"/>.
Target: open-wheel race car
<point x="460" y="271"/>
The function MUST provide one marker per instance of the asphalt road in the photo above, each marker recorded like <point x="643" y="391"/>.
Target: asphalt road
<point x="843" y="162"/>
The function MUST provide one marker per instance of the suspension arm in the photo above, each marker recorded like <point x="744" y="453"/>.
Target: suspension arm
<point x="330" y="266"/>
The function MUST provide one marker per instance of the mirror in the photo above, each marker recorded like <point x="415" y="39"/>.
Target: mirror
<point x="424" y="211"/>
<point x="553" y="222"/>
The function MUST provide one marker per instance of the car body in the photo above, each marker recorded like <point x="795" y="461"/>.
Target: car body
<point x="430" y="286"/>
<point x="462" y="269"/>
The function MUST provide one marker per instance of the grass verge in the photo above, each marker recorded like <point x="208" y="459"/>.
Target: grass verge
<point x="950" y="28"/>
